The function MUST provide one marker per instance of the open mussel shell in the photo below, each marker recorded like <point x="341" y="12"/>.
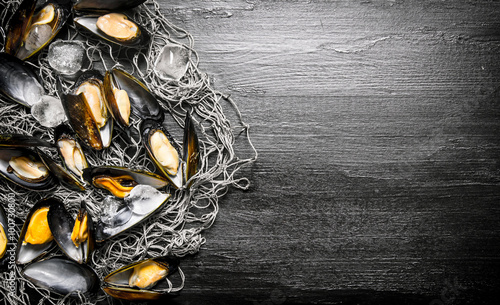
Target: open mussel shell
<point x="106" y="27"/>
<point x="141" y="203"/>
<point x="74" y="236"/>
<point x="36" y="238"/>
<point x="164" y="151"/>
<point x="4" y="240"/>
<point x="141" y="281"/>
<point x="105" y="5"/>
<point x="18" y="82"/>
<point x="191" y="153"/>
<point x="142" y="102"/>
<point x="92" y="124"/>
<point x="70" y="151"/>
<point x="24" y="167"/>
<point x="65" y="177"/>
<point x="32" y="29"/>
<point x="62" y="276"/>
<point x="120" y="180"/>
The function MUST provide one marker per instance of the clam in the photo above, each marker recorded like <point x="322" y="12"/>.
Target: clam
<point x="18" y="82"/>
<point x="30" y="29"/>
<point x="87" y="113"/>
<point x="117" y="28"/>
<point x="105" y="5"/>
<point x="62" y="276"/>
<point x="120" y="215"/>
<point x="126" y="94"/>
<point x="142" y="281"/>
<point x="70" y="151"/>
<point x="36" y="238"/>
<point x="74" y="236"/>
<point x="120" y="180"/>
<point x="165" y="152"/>
<point x="24" y="167"/>
<point x="4" y="240"/>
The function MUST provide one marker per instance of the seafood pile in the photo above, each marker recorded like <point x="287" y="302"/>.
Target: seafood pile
<point x="107" y="198"/>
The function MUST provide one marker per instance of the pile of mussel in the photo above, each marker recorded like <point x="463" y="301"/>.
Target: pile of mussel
<point x="93" y="104"/>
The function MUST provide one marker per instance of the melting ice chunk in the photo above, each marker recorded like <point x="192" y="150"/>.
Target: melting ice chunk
<point x="172" y="62"/>
<point x="38" y="36"/>
<point x="144" y="199"/>
<point x="114" y="212"/>
<point x="49" y="111"/>
<point x="66" y="56"/>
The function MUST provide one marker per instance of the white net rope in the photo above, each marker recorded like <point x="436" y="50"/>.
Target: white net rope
<point x="176" y="229"/>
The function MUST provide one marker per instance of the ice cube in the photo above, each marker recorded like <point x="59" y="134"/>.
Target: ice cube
<point x="66" y="56"/>
<point x="172" y="63"/>
<point x="49" y="111"/>
<point x="37" y="37"/>
<point x="144" y="199"/>
<point x="114" y="212"/>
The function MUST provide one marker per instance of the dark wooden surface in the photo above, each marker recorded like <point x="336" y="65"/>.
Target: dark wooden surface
<point x="377" y="127"/>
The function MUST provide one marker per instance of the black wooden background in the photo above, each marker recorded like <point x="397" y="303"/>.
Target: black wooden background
<point x="377" y="127"/>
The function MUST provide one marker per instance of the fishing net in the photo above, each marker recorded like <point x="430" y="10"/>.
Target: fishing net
<point x="176" y="229"/>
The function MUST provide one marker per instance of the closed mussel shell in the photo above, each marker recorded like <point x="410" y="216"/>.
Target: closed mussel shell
<point x="62" y="276"/>
<point x="143" y="280"/>
<point x="18" y="82"/>
<point x="36" y="238"/>
<point x="116" y="28"/>
<point x="74" y="236"/>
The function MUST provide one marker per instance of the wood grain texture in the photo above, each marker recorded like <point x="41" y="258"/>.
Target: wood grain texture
<point x="377" y="126"/>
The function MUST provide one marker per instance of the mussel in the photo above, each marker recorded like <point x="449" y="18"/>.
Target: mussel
<point x="105" y="5"/>
<point x="18" y="82"/>
<point x="120" y="180"/>
<point x="127" y="95"/>
<point x="64" y="176"/>
<point x="62" y="276"/>
<point x="142" y="281"/>
<point x="70" y="151"/>
<point x="36" y="238"/>
<point x="24" y="167"/>
<point x="87" y="113"/>
<point x="74" y="236"/>
<point x="117" y="28"/>
<point x="30" y="29"/>
<point x="165" y="152"/>
<point x="4" y="240"/>
<point x="120" y="215"/>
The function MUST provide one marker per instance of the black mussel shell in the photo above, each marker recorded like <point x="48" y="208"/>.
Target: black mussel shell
<point x="63" y="133"/>
<point x="18" y="82"/>
<point x="143" y="104"/>
<point x="132" y="212"/>
<point x="129" y="177"/>
<point x="106" y="5"/>
<point x="116" y="284"/>
<point x="148" y="128"/>
<point x="65" y="177"/>
<point x="4" y="237"/>
<point x="89" y="24"/>
<point x="26" y="252"/>
<point x="191" y="154"/>
<point x="62" y="276"/>
<point x="61" y="225"/>
<point x="20" y="40"/>
<point x="6" y="154"/>
<point x="20" y="140"/>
